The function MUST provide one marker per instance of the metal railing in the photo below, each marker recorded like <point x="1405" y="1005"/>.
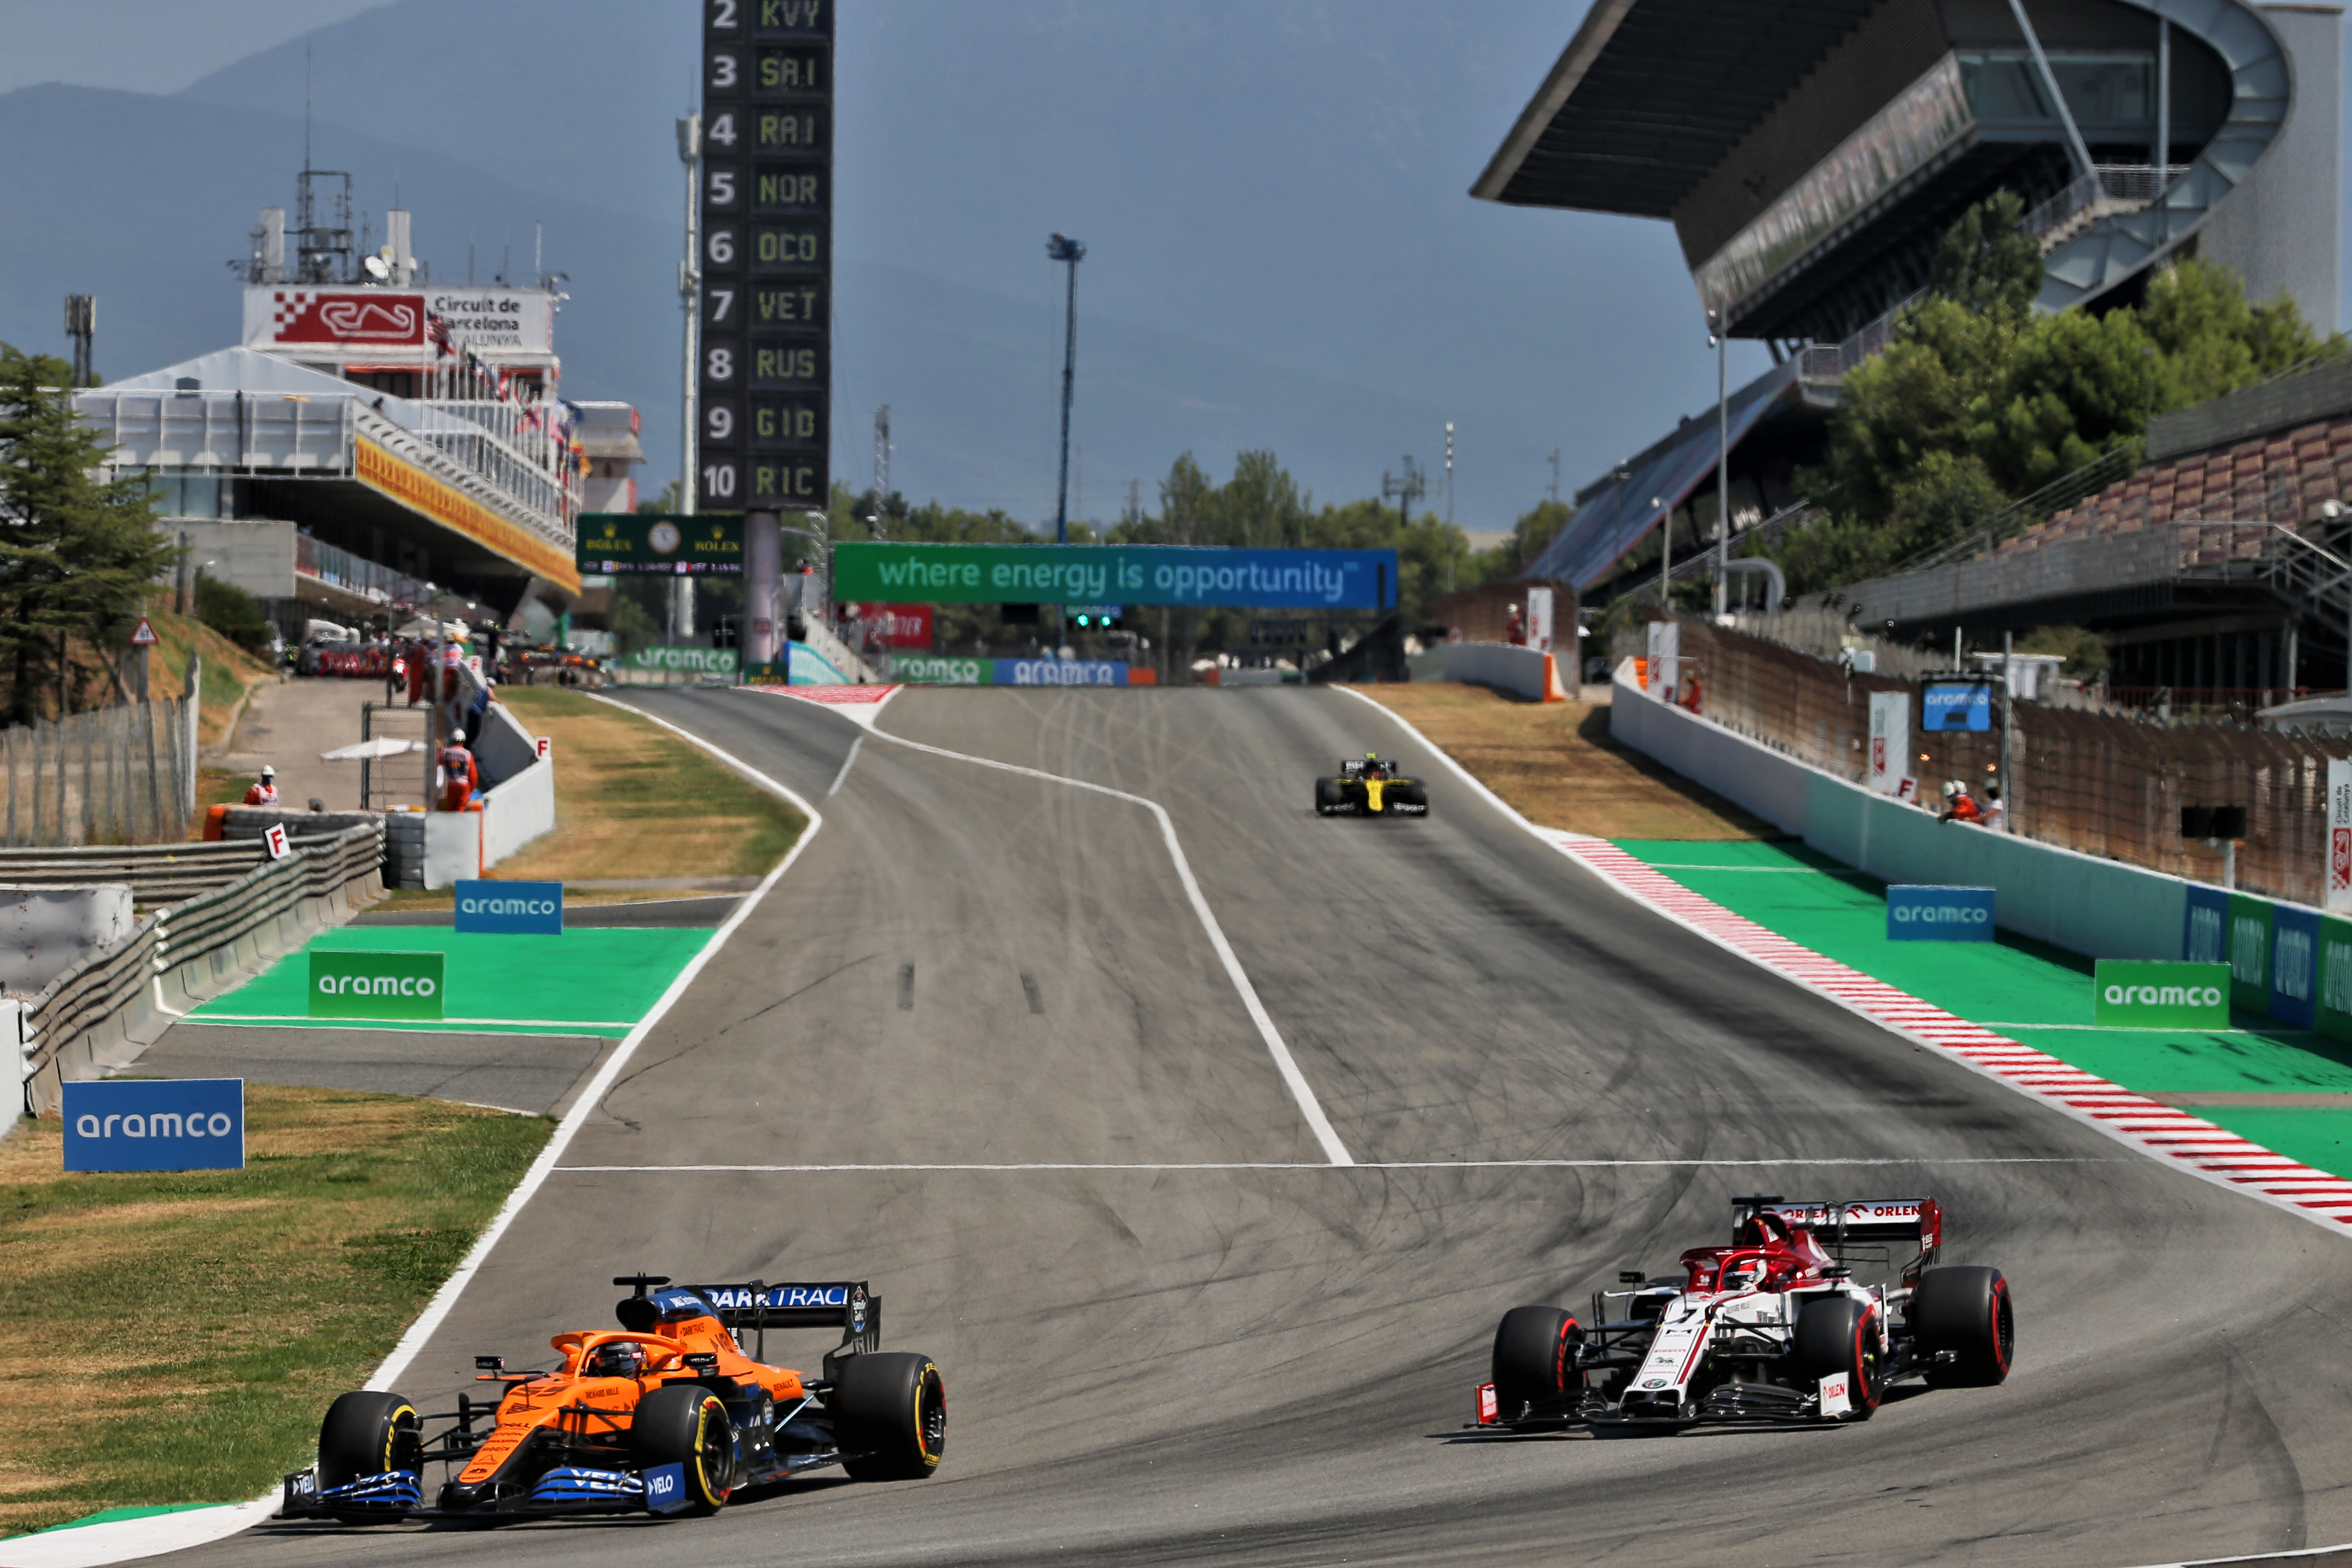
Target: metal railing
<point x="2031" y="510"/>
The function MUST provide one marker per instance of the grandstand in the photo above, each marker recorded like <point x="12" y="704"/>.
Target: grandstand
<point x="1809" y="154"/>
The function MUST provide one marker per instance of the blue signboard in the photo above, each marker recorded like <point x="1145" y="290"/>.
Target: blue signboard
<point x="155" y="1124"/>
<point x="1938" y="914"/>
<point x="1956" y="705"/>
<point x="2205" y="934"/>
<point x="2295" y="966"/>
<point x="512" y="909"/>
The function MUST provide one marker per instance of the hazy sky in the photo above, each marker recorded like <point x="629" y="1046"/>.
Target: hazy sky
<point x="1282" y="254"/>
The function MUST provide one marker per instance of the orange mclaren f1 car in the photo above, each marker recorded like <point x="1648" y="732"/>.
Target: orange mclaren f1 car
<point x="665" y="1415"/>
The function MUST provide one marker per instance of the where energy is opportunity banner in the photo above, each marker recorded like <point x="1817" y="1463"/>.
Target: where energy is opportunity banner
<point x="1116" y="574"/>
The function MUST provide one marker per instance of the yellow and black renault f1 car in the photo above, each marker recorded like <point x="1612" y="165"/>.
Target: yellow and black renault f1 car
<point x="1371" y="785"/>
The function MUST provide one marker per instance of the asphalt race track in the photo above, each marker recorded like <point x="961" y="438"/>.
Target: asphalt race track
<point x="1233" y="1352"/>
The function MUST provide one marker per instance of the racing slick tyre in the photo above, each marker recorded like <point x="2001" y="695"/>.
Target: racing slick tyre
<point x="1965" y="1311"/>
<point x="1534" y="1358"/>
<point x="366" y="1433"/>
<point x="1327" y="798"/>
<point x="684" y="1424"/>
<point x="889" y="1415"/>
<point x="1839" y="1334"/>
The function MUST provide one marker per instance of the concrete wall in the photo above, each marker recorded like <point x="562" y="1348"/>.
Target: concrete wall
<point x="44" y="931"/>
<point x="1526" y="670"/>
<point x="2103" y="908"/>
<point x="257" y="556"/>
<point x="2279" y="228"/>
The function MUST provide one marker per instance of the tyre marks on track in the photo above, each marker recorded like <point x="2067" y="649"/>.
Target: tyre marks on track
<point x="2162" y="1131"/>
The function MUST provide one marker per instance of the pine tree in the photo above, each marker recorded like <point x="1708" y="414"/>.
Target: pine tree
<point x="78" y="552"/>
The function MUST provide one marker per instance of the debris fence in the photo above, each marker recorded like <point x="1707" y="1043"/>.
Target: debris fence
<point x="124" y="774"/>
<point x="2103" y="783"/>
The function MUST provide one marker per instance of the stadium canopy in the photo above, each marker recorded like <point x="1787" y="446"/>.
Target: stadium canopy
<point x="1651" y="95"/>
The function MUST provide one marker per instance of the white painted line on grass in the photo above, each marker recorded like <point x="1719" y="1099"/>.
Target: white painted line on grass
<point x="2214" y="1154"/>
<point x="306" y="1021"/>
<point x="585" y="1106"/>
<point x="1790" y="1162"/>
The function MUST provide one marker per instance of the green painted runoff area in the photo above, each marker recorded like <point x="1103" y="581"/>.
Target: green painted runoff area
<point x="589" y="982"/>
<point x="2029" y="990"/>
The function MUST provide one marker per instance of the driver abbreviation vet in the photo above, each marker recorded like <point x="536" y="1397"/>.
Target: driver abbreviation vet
<point x="1942" y="914"/>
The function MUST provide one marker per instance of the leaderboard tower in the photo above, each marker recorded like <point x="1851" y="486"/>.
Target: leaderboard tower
<point x="766" y="206"/>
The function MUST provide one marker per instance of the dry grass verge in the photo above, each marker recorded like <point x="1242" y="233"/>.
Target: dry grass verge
<point x="1557" y="767"/>
<point x="635" y="801"/>
<point x="174" y="1337"/>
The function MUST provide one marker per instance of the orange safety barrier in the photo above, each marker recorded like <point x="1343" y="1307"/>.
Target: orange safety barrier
<point x="214" y="816"/>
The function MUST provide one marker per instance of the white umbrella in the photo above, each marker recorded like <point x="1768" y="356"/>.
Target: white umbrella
<point x="371" y="751"/>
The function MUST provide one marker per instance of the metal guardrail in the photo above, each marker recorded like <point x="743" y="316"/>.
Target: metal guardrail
<point x="196" y="941"/>
<point x="157" y="873"/>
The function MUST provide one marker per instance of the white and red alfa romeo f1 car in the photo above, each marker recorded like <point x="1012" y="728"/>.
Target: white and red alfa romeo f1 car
<point x="1770" y="1328"/>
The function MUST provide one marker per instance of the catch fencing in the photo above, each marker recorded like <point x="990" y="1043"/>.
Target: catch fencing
<point x="124" y="774"/>
<point x="2101" y="784"/>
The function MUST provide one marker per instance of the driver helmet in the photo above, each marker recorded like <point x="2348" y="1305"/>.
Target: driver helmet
<point x="1747" y="1274"/>
<point x="616" y="1358"/>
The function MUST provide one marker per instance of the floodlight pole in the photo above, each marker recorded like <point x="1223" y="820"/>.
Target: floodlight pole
<point x="1722" y="468"/>
<point x="1061" y="247"/>
<point x="690" y="294"/>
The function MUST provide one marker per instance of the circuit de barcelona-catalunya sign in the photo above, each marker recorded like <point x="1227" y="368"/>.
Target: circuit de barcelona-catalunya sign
<point x="1116" y="574"/>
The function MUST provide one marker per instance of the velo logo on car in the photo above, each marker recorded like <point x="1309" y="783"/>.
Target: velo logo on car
<point x="2133" y="994"/>
<point x="512" y="909"/>
<point x="155" y="1124"/>
<point x="375" y="984"/>
<point x="1938" y="914"/>
<point x="666" y="1489"/>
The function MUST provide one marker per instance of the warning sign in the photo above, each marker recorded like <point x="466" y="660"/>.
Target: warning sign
<point x="145" y="636"/>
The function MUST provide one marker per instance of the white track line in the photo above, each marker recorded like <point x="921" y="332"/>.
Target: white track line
<point x="1295" y="1080"/>
<point x="2162" y="1132"/>
<point x="585" y="1106"/>
<point x="847" y="763"/>
<point x="1368" y="1165"/>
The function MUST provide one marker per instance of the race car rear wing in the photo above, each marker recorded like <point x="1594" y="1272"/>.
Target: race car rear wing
<point x="1866" y="1221"/>
<point x="847" y="1304"/>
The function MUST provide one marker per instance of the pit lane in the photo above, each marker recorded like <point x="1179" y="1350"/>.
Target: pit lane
<point x="1174" y="1331"/>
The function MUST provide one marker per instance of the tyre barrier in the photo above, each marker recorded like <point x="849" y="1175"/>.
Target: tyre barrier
<point x="106" y="1008"/>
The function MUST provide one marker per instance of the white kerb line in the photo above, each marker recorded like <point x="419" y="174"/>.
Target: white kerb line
<point x="1791" y="1161"/>
<point x="1300" y="1090"/>
<point x="847" y="763"/>
<point x="444" y="1299"/>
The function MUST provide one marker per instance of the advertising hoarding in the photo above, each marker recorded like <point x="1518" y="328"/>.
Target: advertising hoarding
<point x="662" y="543"/>
<point x="2132" y="994"/>
<point x="1939" y="914"/>
<point x="154" y="1124"/>
<point x="345" y="985"/>
<point x="1115" y="574"/>
<point x="511" y="909"/>
<point x="1890" y="740"/>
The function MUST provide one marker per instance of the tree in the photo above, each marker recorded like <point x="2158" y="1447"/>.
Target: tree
<point x="1979" y="401"/>
<point x="78" y="554"/>
<point x="1534" y="530"/>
